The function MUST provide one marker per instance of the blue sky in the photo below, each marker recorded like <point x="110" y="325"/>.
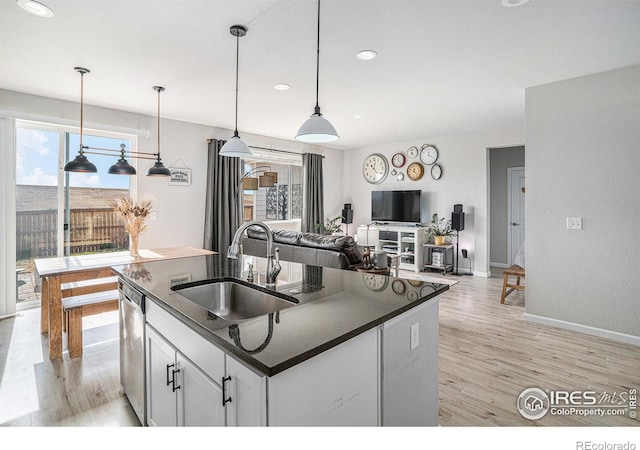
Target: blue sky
<point x="37" y="159"/>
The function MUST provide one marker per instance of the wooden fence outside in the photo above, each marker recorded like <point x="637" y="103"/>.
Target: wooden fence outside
<point x="91" y="230"/>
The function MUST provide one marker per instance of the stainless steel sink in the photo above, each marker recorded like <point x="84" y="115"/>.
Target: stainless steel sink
<point x="233" y="300"/>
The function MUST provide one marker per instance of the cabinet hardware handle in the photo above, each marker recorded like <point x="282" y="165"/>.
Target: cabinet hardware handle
<point x="225" y="400"/>
<point x="173" y="380"/>
<point x="169" y="366"/>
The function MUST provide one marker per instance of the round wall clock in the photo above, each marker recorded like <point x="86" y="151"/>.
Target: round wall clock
<point x="374" y="281"/>
<point x="412" y="152"/>
<point x="428" y="154"/>
<point x="375" y="168"/>
<point x="398" y="160"/>
<point x="426" y="290"/>
<point x="415" y="171"/>
<point x="436" y="171"/>
<point x="416" y="283"/>
<point x="398" y="287"/>
<point x="412" y="296"/>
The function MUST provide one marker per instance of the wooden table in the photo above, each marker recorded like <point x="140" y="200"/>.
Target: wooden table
<point x="55" y="271"/>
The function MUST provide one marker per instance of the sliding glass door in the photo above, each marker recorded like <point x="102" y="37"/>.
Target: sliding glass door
<point x="60" y="213"/>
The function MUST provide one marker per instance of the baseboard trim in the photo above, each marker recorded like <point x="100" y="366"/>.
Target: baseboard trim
<point x="599" y="332"/>
<point x="500" y="265"/>
<point x="481" y="274"/>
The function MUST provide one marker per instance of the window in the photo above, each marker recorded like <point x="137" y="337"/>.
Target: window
<point x="281" y="202"/>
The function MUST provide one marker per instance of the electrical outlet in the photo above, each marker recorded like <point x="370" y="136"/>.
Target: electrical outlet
<point x="415" y="335"/>
<point x="574" y="223"/>
<point x="153" y="216"/>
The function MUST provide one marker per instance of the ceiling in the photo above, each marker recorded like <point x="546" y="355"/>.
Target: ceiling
<point x="443" y="67"/>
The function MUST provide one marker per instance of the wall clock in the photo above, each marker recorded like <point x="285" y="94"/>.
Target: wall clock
<point x="412" y="152"/>
<point x="426" y="290"/>
<point x="375" y="168"/>
<point x="436" y="171"/>
<point x="398" y="287"/>
<point x="374" y="281"/>
<point x="416" y="283"/>
<point x="398" y="160"/>
<point x="415" y="171"/>
<point x="428" y="154"/>
<point x="412" y="296"/>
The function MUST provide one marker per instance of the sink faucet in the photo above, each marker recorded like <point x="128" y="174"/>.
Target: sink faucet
<point x="273" y="268"/>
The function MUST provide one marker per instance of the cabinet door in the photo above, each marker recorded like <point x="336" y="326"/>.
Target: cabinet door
<point x="199" y="397"/>
<point x="161" y="400"/>
<point x="248" y="392"/>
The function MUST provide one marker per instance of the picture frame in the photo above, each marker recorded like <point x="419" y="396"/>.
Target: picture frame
<point x="179" y="177"/>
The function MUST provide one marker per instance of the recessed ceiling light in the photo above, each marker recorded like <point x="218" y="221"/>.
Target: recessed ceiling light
<point x="35" y="8"/>
<point x="366" y="55"/>
<point x="511" y="3"/>
<point x="281" y="87"/>
<point x="357" y="116"/>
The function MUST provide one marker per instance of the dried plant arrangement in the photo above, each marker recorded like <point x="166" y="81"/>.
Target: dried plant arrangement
<point x="135" y="217"/>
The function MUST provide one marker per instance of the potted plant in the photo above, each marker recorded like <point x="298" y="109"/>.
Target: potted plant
<point x="439" y="229"/>
<point x="332" y="226"/>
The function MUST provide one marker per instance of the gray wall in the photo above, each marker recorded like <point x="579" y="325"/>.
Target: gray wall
<point x="583" y="159"/>
<point x="499" y="160"/>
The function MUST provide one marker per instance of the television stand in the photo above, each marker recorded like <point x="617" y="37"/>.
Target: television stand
<point x="404" y="241"/>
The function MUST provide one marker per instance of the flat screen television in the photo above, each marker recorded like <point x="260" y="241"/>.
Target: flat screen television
<point x="395" y="206"/>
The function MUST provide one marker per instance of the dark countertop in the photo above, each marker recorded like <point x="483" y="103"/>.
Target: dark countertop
<point x="335" y="305"/>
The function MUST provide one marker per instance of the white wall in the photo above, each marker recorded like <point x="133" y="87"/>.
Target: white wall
<point x="583" y="159"/>
<point x="464" y="166"/>
<point x="180" y="209"/>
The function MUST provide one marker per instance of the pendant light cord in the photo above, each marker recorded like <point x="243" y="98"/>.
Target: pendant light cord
<point x="317" y="108"/>
<point x="235" y="134"/>
<point x="159" y="90"/>
<point x="81" y="109"/>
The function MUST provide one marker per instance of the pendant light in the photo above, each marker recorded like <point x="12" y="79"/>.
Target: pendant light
<point x="317" y="129"/>
<point x="81" y="163"/>
<point x="158" y="169"/>
<point x="235" y="147"/>
<point x="122" y="166"/>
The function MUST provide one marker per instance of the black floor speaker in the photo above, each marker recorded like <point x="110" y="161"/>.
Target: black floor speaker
<point x="457" y="221"/>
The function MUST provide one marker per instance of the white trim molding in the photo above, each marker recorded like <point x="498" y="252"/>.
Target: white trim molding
<point x="500" y="265"/>
<point x="599" y="332"/>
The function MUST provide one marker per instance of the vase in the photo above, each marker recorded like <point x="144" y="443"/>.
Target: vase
<point x="439" y="240"/>
<point x="133" y="245"/>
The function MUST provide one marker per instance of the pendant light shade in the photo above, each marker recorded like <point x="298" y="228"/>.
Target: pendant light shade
<point x="235" y="147"/>
<point x="158" y="169"/>
<point x="122" y="166"/>
<point x="317" y="129"/>
<point x="80" y="164"/>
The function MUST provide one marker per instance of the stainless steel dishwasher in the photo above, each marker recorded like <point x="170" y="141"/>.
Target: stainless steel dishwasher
<point x="132" y="344"/>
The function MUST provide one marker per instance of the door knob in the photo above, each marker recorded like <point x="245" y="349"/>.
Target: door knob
<point x="514" y="224"/>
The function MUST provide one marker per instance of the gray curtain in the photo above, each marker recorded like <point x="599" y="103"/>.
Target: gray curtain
<point x="312" y="192"/>
<point x="222" y="212"/>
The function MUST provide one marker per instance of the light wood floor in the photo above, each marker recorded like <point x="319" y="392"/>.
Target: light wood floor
<point x="488" y="355"/>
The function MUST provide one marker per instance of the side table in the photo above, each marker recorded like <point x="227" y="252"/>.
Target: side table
<point x="446" y="263"/>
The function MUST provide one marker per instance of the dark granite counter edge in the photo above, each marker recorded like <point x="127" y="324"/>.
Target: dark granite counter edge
<point x="291" y="362"/>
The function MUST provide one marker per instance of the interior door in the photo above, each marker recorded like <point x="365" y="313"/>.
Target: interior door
<point x="515" y="211"/>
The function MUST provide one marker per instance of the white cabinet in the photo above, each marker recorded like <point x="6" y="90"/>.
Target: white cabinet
<point x="192" y="382"/>
<point x="179" y="393"/>
<point x="406" y="242"/>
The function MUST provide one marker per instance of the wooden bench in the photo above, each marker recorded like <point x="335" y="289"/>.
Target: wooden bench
<point x="85" y="298"/>
<point x="517" y="272"/>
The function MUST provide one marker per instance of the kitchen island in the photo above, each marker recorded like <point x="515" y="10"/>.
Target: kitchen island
<point x="358" y="348"/>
